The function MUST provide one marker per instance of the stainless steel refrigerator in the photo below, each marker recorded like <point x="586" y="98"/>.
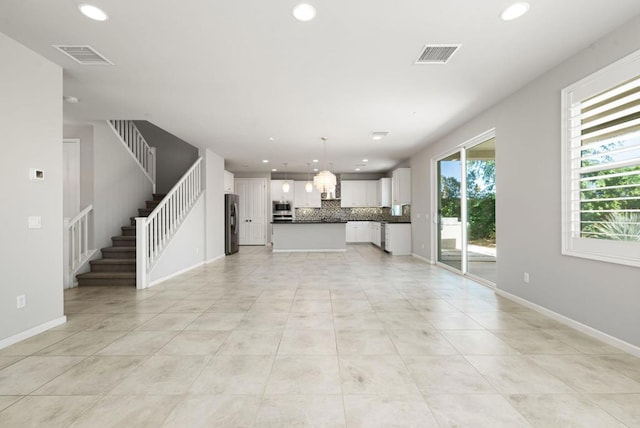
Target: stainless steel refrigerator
<point x="231" y="228"/>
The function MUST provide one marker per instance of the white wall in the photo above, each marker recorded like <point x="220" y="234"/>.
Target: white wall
<point x="120" y="186"/>
<point x="214" y="201"/>
<point x="30" y="137"/>
<point x="601" y="295"/>
<point x="186" y="248"/>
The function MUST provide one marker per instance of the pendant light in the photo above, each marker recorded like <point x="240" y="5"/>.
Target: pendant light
<point x="325" y="181"/>
<point x="309" y="186"/>
<point x="285" y="186"/>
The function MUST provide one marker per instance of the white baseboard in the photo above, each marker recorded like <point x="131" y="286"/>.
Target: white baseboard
<point x="174" y="274"/>
<point x="424" y="259"/>
<point x="221" y="256"/>
<point x="589" y="331"/>
<point x="32" y="332"/>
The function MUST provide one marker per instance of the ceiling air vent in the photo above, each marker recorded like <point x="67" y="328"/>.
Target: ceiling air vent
<point x="83" y="54"/>
<point x="437" y="54"/>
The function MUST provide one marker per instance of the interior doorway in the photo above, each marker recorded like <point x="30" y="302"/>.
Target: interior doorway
<point x="252" y="206"/>
<point x="71" y="177"/>
<point x="466" y="209"/>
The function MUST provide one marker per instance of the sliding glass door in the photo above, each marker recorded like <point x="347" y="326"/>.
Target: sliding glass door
<point x="450" y="211"/>
<point x="466" y="235"/>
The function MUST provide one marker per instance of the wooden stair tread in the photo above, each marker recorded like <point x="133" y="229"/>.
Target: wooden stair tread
<point x="113" y="261"/>
<point x="107" y="275"/>
<point x="117" y="267"/>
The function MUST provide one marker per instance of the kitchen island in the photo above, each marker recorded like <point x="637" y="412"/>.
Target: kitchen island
<point x="309" y="236"/>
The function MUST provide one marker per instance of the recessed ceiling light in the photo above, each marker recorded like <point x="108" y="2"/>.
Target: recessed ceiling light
<point x="274" y="169"/>
<point x="365" y="160"/>
<point x="69" y="99"/>
<point x="514" y="11"/>
<point x="93" y="12"/>
<point x="357" y="169"/>
<point x="379" y="135"/>
<point x="265" y="161"/>
<point x="273" y="138"/>
<point x="315" y="161"/>
<point x="315" y="169"/>
<point x="304" y="12"/>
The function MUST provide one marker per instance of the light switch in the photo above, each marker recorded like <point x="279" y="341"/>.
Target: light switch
<point x="35" y="222"/>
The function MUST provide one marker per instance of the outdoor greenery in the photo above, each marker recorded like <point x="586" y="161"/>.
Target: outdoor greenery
<point x="481" y="200"/>
<point x="610" y="205"/>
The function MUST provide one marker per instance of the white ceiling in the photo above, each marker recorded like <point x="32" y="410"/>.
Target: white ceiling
<point x="230" y="74"/>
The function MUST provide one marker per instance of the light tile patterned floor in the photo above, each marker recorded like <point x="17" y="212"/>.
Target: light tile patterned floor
<point x="359" y="339"/>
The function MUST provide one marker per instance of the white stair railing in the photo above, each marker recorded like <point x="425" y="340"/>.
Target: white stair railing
<point x="78" y="243"/>
<point x="154" y="232"/>
<point x="144" y="154"/>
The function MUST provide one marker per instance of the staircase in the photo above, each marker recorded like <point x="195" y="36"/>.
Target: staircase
<point x="118" y="263"/>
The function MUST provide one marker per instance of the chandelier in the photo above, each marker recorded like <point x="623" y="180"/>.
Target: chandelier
<point x="325" y="181"/>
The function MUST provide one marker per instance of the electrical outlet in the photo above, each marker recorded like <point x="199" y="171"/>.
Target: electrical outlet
<point x="21" y="301"/>
<point x="526" y="278"/>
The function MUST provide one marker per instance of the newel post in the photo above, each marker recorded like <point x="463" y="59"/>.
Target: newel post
<point x="141" y="253"/>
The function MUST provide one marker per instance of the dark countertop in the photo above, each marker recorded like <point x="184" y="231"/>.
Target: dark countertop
<point x="310" y="222"/>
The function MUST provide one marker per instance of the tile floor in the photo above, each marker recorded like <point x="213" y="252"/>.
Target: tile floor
<point x="359" y="339"/>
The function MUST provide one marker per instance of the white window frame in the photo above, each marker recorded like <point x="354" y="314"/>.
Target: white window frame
<point x="620" y="252"/>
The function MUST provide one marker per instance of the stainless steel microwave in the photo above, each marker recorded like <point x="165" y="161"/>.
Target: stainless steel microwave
<point x="282" y="207"/>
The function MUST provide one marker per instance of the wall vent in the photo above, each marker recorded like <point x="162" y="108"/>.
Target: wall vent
<point x="437" y="54"/>
<point x="83" y="54"/>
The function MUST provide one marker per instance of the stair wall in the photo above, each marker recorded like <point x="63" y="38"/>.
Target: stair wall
<point x="186" y="249"/>
<point x="119" y="185"/>
<point x="174" y="156"/>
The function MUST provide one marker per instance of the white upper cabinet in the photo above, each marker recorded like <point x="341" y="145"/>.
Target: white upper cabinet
<point x="371" y="192"/>
<point x="401" y="186"/>
<point x="304" y="199"/>
<point x="228" y="182"/>
<point x="277" y="192"/>
<point x="384" y="192"/>
<point x="358" y="193"/>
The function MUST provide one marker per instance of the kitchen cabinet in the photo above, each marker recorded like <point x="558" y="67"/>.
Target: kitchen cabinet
<point x="375" y="233"/>
<point x="228" y="182"/>
<point x="383" y="193"/>
<point x="398" y="239"/>
<point x="358" y="231"/>
<point x="358" y="193"/>
<point x="277" y="194"/>
<point x="401" y="186"/>
<point x="371" y="192"/>
<point x="304" y="199"/>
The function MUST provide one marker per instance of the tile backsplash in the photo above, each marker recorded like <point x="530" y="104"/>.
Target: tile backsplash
<point x="331" y="210"/>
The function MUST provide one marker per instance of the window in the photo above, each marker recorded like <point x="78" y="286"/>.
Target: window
<point x="601" y="164"/>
